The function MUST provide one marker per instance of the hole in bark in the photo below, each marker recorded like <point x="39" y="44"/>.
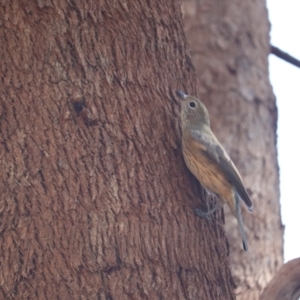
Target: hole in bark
<point x="78" y="106"/>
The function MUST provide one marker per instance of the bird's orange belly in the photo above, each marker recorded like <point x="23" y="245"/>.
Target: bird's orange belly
<point x="208" y="174"/>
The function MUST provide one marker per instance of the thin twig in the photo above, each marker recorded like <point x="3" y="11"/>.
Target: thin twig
<point x="285" y="56"/>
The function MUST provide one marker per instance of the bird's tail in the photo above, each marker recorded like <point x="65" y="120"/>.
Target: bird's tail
<point x="240" y="221"/>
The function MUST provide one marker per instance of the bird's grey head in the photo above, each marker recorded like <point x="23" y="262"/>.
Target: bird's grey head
<point x="193" y="111"/>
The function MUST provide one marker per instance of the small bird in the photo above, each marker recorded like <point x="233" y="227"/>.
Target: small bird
<point x="208" y="161"/>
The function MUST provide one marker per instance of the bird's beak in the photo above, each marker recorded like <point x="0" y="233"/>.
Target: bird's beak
<point x="181" y="94"/>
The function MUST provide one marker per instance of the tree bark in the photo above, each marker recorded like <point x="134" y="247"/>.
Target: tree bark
<point x="285" y="285"/>
<point x="96" y="200"/>
<point x="229" y="43"/>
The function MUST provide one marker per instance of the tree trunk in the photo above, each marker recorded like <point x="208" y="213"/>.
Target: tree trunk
<point x="229" y="43"/>
<point x="96" y="200"/>
<point x="285" y="285"/>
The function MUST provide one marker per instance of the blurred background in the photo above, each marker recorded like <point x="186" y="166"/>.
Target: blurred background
<point x="285" y="79"/>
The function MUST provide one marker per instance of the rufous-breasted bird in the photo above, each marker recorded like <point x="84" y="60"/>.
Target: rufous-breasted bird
<point x="208" y="161"/>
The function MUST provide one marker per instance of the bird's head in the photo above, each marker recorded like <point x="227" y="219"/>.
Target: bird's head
<point x="193" y="111"/>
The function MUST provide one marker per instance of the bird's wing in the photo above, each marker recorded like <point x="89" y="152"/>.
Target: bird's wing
<point x="213" y="150"/>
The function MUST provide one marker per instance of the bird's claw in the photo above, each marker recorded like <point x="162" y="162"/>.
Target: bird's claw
<point x="202" y="214"/>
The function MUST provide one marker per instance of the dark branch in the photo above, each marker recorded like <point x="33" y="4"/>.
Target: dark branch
<point x="285" y="56"/>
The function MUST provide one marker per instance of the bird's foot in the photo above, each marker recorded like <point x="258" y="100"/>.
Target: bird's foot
<point x="206" y="215"/>
<point x="202" y="214"/>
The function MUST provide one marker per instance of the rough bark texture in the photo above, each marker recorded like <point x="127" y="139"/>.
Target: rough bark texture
<point x="229" y="43"/>
<point x="96" y="202"/>
<point x="285" y="285"/>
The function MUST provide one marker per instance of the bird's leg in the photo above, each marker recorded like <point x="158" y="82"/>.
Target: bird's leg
<point x="206" y="215"/>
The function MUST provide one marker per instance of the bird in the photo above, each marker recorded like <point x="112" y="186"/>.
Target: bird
<point x="209" y="162"/>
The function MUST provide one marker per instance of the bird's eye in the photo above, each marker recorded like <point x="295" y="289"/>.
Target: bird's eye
<point x="192" y="104"/>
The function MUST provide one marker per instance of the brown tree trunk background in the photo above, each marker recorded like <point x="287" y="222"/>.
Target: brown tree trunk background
<point x="96" y="202"/>
<point x="229" y="43"/>
<point x="285" y="285"/>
